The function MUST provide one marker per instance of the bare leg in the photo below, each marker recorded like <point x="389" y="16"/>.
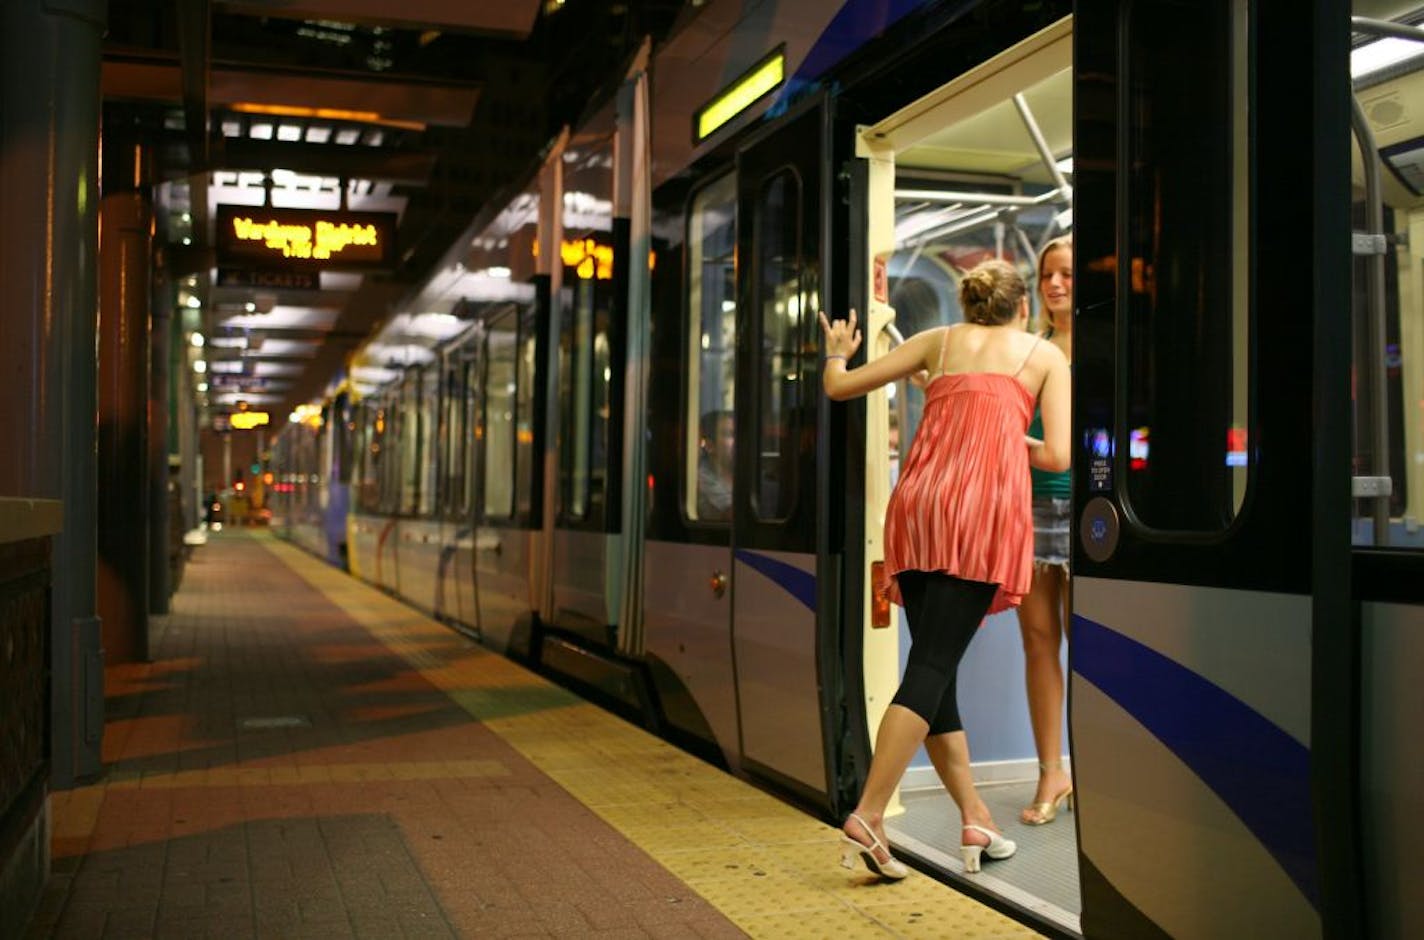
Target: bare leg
<point x="1040" y="621"/>
<point x="950" y="755"/>
<point x="901" y="733"/>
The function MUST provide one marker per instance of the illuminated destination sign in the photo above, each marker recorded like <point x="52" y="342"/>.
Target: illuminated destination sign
<point x="761" y="78"/>
<point x="247" y="420"/>
<point x="262" y="236"/>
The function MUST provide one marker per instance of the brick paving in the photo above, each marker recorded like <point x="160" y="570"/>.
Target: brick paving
<point x="278" y="772"/>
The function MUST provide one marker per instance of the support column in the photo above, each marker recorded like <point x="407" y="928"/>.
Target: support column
<point x="125" y="265"/>
<point x="49" y="127"/>
<point x="159" y="502"/>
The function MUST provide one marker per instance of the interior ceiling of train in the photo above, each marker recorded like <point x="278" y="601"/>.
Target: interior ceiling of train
<point x="424" y="109"/>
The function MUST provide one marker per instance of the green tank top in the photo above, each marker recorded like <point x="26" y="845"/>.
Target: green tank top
<point x="1048" y="482"/>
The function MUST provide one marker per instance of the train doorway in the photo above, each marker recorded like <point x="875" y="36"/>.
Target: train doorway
<point x="980" y="168"/>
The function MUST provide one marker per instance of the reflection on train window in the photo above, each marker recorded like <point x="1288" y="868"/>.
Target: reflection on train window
<point x="501" y="355"/>
<point x="711" y="342"/>
<point x="585" y="384"/>
<point x="1387" y="304"/>
<point x="1186" y="281"/>
<point x="408" y="417"/>
<point x="388" y="465"/>
<point x="781" y="365"/>
<point x="524" y="421"/>
<point x="452" y="439"/>
<point x="469" y="428"/>
<point x="427" y="456"/>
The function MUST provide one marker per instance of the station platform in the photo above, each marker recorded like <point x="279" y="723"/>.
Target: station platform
<point x="306" y="756"/>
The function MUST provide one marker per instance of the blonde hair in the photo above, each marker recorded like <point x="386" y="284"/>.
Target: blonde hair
<point x="990" y="293"/>
<point x="1062" y="242"/>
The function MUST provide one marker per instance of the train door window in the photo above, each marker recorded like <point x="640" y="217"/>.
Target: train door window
<point x="469" y="422"/>
<point x="451" y="438"/>
<point x="585" y="385"/>
<point x="1387" y="306"/>
<point x="408" y="437"/>
<point x="1185" y="277"/>
<point x="711" y="344"/>
<point x="781" y="368"/>
<point x="501" y="363"/>
<point x="427" y="455"/>
<point x="524" y="417"/>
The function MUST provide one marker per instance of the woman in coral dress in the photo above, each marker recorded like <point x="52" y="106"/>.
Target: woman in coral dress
<point x="958" y="528"/>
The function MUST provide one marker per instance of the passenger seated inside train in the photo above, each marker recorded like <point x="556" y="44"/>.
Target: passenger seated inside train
<point x="714" y="466"/>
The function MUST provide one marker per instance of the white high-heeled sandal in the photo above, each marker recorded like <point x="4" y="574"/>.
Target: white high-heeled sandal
<point x="893" y="869"/>
<point x="998" y="848"/>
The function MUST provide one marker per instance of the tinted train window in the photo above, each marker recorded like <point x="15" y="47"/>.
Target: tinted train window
<point x="1184" y="276"/>
<point x="524" y="418"/>
<point x="501" y="356"/>
<point x="428" y="455"/>
<point x="711" y="342"/>
<point x="1387" y="302"/>
<point x="585" y="383"/>
<point x="781" y="364"/>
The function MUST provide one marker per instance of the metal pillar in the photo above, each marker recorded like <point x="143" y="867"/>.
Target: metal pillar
<point x="159" y="563"/>
<point x="49" y="124"/>
<point x="125" y="264"/>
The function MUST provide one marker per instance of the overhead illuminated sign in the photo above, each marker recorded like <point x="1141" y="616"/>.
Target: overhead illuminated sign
<point x="262" y="236"/>
<point x="247" y="420"/>
<point x="761" y="78"/>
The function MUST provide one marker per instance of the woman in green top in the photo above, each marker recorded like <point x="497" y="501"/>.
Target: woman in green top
<point x="1044" y="613"/>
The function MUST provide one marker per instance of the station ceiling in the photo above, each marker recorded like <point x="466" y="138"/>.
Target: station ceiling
<point x="425" y="108"/>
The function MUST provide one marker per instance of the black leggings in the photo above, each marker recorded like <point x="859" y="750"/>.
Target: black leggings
<point x="944" y="613"/>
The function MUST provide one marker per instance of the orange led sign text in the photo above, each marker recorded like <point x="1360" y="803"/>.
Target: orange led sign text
<point x="264" y="236"/>
<point x="247" y="420"/>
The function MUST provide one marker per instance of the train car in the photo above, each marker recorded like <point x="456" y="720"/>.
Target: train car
<point x="596" y="440"/>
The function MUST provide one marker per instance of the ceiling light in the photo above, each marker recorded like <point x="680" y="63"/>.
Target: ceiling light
<point x="1381" y="54"/>
<point x="347" y="135"/>
<point x="261" y="131"/>
<point x="192" y="302"/>
<point x="200" y="367"/>
<point x="289" y="132"/>
<point x="202" y="386"/>
<point x="250" y="307"/>
<point x="197" y="340"/>
<point x="318" y="133"/>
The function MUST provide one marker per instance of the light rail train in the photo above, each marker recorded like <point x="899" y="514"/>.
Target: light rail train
<point x="595" y="440"/>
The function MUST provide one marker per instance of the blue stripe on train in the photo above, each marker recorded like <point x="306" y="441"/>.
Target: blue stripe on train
<point x="799" y="584"/>
<point x="1258" y="770"/>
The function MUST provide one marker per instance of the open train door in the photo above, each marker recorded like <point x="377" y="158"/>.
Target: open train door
<point x="1214" y="655"/>
<point x="776" y="586"/>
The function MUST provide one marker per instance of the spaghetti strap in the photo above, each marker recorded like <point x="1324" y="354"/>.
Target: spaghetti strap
<point x="1038" y="339"/>
<point x="943" y="350"/>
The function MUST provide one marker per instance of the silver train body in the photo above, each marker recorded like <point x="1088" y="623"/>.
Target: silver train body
<point x="530" y="451"/>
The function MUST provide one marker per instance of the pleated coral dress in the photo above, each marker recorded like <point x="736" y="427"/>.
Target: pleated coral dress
<point x="963" y="504"/>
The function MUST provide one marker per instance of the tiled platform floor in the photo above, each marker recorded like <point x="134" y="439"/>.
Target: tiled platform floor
<point x="307" y="757"/>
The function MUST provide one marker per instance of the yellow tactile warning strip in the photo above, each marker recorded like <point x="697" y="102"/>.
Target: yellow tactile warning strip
<point x="769" y="868"/>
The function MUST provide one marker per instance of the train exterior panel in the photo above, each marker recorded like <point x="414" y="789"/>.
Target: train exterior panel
<point x="687" y="620"/>
<point x="1209" y="692"/>
<point x="1392" y="762"/>
<point x="773" y="647"/>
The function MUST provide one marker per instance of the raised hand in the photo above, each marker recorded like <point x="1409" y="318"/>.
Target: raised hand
<point x="842" y="336"/>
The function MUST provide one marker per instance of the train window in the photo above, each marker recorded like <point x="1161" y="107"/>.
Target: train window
<point x="1186" y="277"/>
<point x="501" y="356"/>
<point x="451" y="439"/>
<point x="524" y="418"/>
<point x="1387" y="303"/>
<point x="428" y="456"/>
<point x="408" y="436"/>
<point x="711" y="342"/>
<point x="585" y="384"/>
<point x="781" y="367"/>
